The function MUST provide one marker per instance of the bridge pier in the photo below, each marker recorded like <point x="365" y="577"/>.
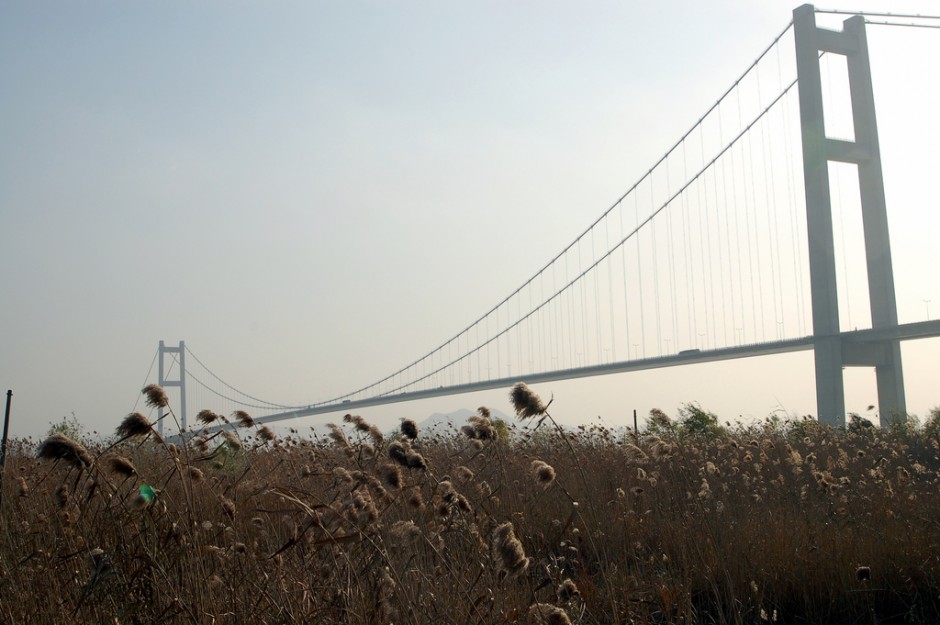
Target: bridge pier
<point x="832" y="352"/>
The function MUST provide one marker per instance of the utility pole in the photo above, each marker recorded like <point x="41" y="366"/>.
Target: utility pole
<point x="3" y="445"/>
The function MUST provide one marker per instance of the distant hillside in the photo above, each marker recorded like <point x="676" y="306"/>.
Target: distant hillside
<point x="451" y="421"/>
<point x="438" y="422"/>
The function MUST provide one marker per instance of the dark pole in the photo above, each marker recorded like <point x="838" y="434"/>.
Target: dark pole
<point x="3" y="448"/>
<point x="6" y="430"/>
<point x="636" y="430"/>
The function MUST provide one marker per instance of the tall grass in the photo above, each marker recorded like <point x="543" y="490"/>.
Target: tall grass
<point x="776" y="522"/>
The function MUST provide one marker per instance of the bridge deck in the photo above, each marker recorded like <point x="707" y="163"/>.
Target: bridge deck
<point x="902" y="332"/>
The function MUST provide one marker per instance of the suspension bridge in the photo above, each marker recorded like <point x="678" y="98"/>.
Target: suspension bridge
<point x="732" y="245"/>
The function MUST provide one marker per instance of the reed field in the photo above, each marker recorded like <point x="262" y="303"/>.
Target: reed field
<point x="694" y="521"/>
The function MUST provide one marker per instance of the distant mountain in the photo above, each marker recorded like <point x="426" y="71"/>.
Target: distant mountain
<point x="452" y="421"/>
<point x="438" y="422"/>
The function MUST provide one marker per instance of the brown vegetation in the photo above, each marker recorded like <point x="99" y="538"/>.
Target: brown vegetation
<point x="786" y="522"/>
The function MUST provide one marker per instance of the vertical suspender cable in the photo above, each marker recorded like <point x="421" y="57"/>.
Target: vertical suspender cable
<point x="610" y="293"/>
<point x="639" y="277"/>
<point x="659" y="329"/>
<point x="670" y="253"/>
<point x="687" y="254"/>
<point x="598" y="315"/>
<point x="737" y="247"/>
<point x="746" y="183"/>
<point x="703" y="238"/>
<point x="760" y="282"/>
<point x="626" y="302"/>
<point x="721" y="280"/>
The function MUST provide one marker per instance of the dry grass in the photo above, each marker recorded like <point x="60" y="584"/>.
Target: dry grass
<point x="786" y="523"/>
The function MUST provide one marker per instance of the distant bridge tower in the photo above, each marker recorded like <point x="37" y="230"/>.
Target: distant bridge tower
<point x="832" y="352"/>
<point x="179" y="382"/>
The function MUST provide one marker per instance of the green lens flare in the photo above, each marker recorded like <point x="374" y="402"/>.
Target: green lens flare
<point x="146" y="493"/>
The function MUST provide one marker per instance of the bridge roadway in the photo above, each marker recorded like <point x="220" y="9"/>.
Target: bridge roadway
<point x="901" y="332"/>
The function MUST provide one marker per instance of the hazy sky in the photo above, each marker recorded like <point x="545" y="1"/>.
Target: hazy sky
<point x="312" y="194"/>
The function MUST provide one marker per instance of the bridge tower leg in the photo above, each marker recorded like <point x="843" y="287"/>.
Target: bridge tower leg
<point x="180" y="381"/>
<point x="832" y="354"/>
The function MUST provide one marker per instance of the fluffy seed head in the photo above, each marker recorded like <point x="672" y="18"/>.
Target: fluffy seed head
<point x="464" y="474"/>
<point x="525" y="402"/>
<point x="635" y="453"/>
<point x="243" y="418"/>
<point x="415" y="498"/>
<point x="228" y="507"/>
<point x="482" y="428"/>
<point x="544" y="472"/>
<point x="398" y="453"/>
<point x="231" y="441"/>
<point x="336" y="433"/>
<point x="62" y="497"/>
<point x="391" y="475"/>
<point x="360" y="509"/>
<point x="659" y="419"/>
<point x="405" y="531"/>
<point x="206" y="416"/>
<point x="447" y="491"/>
<point x="409" y="429"/>
<point x="120" y="465"/>
<point x="265" y="434"/>
<point x="61" y="447"/>
<point x="547" y="614"/>
<point x="156" y="396"/>
<point x="416" y="461"/>
<point x="364" y="426"/>
<point x="507" y="551"/>
<point x="134" y="424"/>
<point x="201" y="444"/>
<point x="566" y="591"/>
